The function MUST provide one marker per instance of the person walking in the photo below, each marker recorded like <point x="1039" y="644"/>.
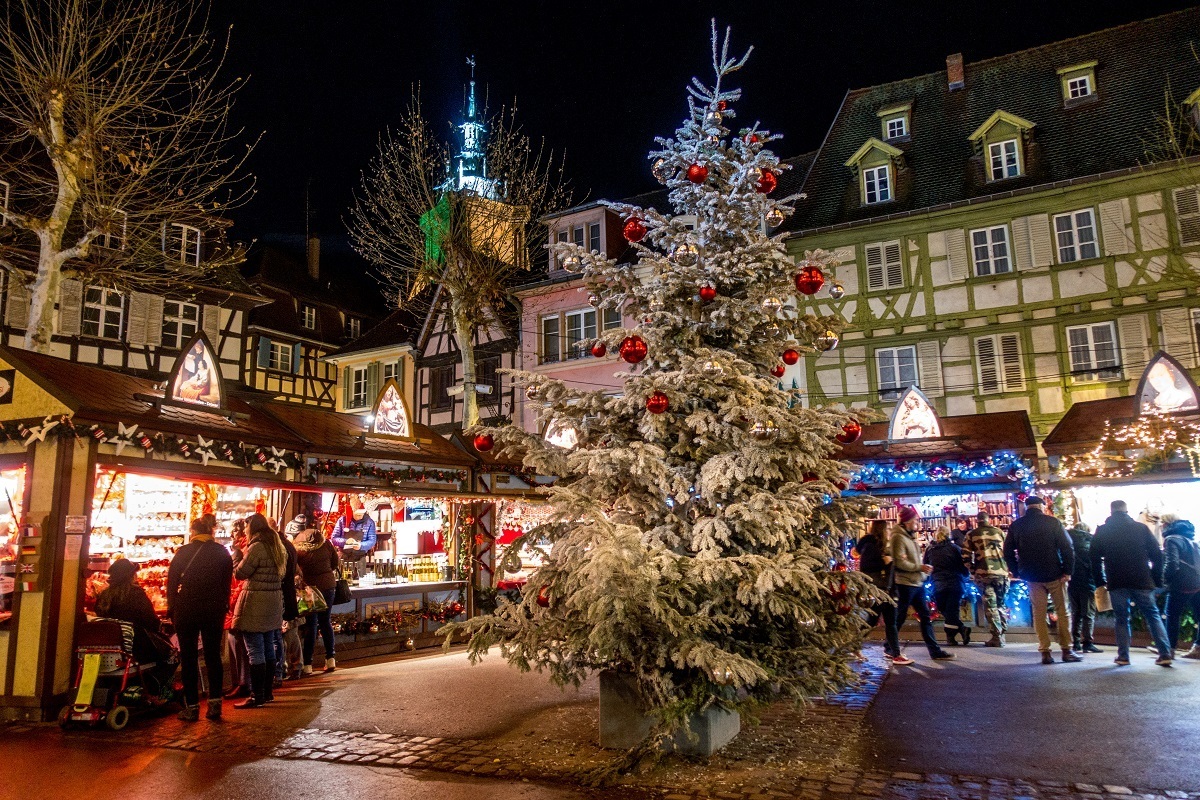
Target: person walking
<point x="1038" y="551"/>
<point x="198" y="582"/>
<point x="1181" y="574"/>
<point x="259" y="611"/>
<point x="318" y="561"/>
<point x="239" y="660"/>
<point x="1081" y="591"/>
<point x="984" y="558"/>
<point x="1126" y="558"/>
<point x="946" y="559"/>
<point x="875" y="563"/>
<point x="910" y="583"/>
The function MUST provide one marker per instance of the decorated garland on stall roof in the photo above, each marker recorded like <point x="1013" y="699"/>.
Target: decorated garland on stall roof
<point x="338" y="469"/>
<point x="1004" y="466"/>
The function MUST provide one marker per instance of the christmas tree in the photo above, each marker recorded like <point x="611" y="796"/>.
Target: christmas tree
<point x="698" y="516"/>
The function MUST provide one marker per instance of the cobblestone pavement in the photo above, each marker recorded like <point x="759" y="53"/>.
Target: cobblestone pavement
<point x="809" y="753"/>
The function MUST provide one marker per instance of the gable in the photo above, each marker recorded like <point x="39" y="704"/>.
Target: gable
<point x="873" y="151"/>
<point x="1001" y="125"/>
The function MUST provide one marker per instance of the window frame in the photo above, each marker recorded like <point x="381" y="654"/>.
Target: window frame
<point x="102" y="307"/>
<point x="1093" y="371"/>
<point x="989" y="245"/>
<point x="892" y="392"/>
<point x="1004" y="165"/>
<point x="5" y="199"/>
<point x="873" y="172"/>
<point x="885" y="273"/>
<point x="439" y="398"/>
<point x="1075" y="246"/>
<point x="1068" y="82"/>
<point x="888" y="136"/>
<point x="595" y="242"/>
<point x="357" y="380"/>
<point x="106" y="236"/>
<point x="546" y="356"/>
<point x="176" y="317"/>
<point x="576" y="349"/>
<point x="308" y="317"/>
<point x="353" y="327"/>
<point x="192" y="259"/>
<point x="487" y="372"/>
<point x="279" y="357"/>
<point x="607" y="323"/>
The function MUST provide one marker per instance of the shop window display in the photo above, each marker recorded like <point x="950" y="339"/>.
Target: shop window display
<point x="12" y="484"/>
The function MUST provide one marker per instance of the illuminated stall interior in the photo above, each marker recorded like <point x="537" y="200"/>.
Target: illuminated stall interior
<point x="12" y="487"/>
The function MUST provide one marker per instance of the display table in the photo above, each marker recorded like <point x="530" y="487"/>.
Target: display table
<point x="369" y="621"/>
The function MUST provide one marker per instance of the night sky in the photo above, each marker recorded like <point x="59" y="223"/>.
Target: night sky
<point x="598" y="80"/>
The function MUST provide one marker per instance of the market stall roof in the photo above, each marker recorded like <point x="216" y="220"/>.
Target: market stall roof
<point x="1082" y="427"/>
<point x="96" y="394"/>
<point x="336" y="435"/>
<point x="965" y="435"/>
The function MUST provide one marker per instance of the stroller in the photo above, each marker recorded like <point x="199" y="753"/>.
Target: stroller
<point x="109" y="680"/>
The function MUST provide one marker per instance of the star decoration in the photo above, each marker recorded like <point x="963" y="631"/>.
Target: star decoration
<point x="124" y="436"/>
<point x="204" y="449"/>
<point x="38" y="434"/>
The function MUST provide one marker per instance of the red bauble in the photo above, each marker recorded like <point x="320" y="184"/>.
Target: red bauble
<point x="751" y="138"/>
<point x="708" y="293"/>
<point x="484" y="442"/>
<point x="657" y="403"/>
<point x="767" y="182"/>
<point x="543" y="597"/>
<point x="840" y="568"/>
<point x="810" y="280"/>
<point x="790" y="356"/>
<point x="722" y="105"/>
<point x="633" y="349"/>
<point x="839" y="592"/>
<point x="777" y="371"/>
<point x="635" y="230"/>
<point x="599" y="349"/>
<point x="850" y="432"/>
<point x="697" y="173"/>
<point x="844" y="608"/>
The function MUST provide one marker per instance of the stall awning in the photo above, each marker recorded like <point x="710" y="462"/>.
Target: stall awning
<point x="962" y="436"/>
<point x="1082" y="427"/>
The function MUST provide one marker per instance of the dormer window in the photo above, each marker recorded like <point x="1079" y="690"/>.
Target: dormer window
<point x="894" y="121"/>
<point x="897" y="128"/>
<point x="1078" y="83"/>
<point x="1003" y="159"/>
<point x="1079" y="87"/>
<point x="877" y="185"/>
<point x="1192" y="104"/>
<point x="309" y="317"/>
<point x="1001" y="143"/>
<point x="876" y="162"/>
<point x="112" y="223"/>
<point x="182" y="243"/>
<point x="353" y="328"/>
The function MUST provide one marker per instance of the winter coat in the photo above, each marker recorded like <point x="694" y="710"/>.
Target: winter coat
<point x="1125" y="555"/>
<point x="1081" y="543"/>
<point x="906" y="558"/>
<point x="260" y="607"/>
<point x="948" y="567"/>
<point x="1178" y="544"/>
<point x="128" y="602"/>
<point x="288" y="584"/>
<point x="1037" y="548"/>
<point x="984" y="553"/>
<point x="361" y="529"/>
<point x="317" y="560"/>
<point x="198" y="583"/>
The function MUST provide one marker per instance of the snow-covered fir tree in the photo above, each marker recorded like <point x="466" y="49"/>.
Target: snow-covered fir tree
<point x="698" y="517"/>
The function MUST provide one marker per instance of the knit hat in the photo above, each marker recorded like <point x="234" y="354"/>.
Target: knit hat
<point x="907" y="514"/>
<point x="1034" y="500"/>
<point x="121" y="571"/>
<point x="296" y="525"/>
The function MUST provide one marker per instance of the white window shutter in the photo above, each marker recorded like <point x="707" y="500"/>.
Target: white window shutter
<point x="1134" y="343"/>
<point x="1177" y="335"/>
<point x="929" y="365"/>
<point x="1010" y="362"/>
<point x="1114" y="227"/>
<point x="874" y="259"/>
<point x="70" y="307"/>
<point x="211" y="323"/>
<point x="139" y="311"/>
<point x="956" y="252"/>
<point x="893" y="265"/>
<point x="154" y="319"/>
<point x="1187" y="211"/>
<point x="16" y="314"/>
<point x="1022" y="258"/>
<point x="985" y="360"/>
<point x="1041" y="243"/>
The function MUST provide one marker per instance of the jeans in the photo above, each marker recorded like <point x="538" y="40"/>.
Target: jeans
<point x="259" y="645"/>
<point x="280" y="660"/>
<point x="210" y="634"/>
<point x="914" y="597"/>
<point x="948" y="600"/>
<point x="994" y="590"/>
<point x="239" y="661"/>
<point x="1039" y="593"/>
<point x="319" y="621"/>
<point x="1177" y="604"/>
<point x="1144" y="599"/>
<point x="1083" y="613"/>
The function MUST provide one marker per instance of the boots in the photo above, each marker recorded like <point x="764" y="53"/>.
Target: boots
<point x="950" y="634"/>
<point x="238" y="692"/>
<point x="1069" y="657"/>
<point x="258" y="683"/>
<point x="330" y="665"/>
<point x="189" y="713"/>
<point x="269" y="683"/>
<point x="966" y="635"/>
<point x="997" y="640"/>
<point x="214" y="710"/>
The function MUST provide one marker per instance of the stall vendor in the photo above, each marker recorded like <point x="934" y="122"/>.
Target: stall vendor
<point x="355" y="539"/>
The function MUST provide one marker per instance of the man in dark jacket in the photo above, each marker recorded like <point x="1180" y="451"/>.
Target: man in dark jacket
<point x="290" y="611"/>
<point x="1126" y="558"/>
<point x="1182" y="561"/>
<point x="1082" y="590"/>
<point x="1038" y="552"/>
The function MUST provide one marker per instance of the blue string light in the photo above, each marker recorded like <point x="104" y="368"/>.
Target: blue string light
<point x="1001" y="466"/>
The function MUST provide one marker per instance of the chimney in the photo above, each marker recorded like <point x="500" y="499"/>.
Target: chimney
<point x="314" y="257"/>
<point x="954" y="72"/>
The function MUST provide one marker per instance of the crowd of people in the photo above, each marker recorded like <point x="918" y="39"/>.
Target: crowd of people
<point x="1122" y="564"/>
<point x="243" y="598"/>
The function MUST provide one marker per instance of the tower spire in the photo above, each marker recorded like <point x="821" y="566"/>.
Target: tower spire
<point x="470" y="164"/>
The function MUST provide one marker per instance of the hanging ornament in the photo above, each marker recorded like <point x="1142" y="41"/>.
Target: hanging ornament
<point x="634" y="229"/>
<point x="146" y="442"/>
<point x="697" y="173"/>
<point x="533" y="392"/>
<point x="711" y="369"/>
<point x="767" y="182"/>
<point x="633" y="349"/>
<point x="543" y="597"/>
<point x="777" y="371"/>
<point x="772" y="304"/>
<point x="484" y="442"/>
<point x="599" y="349"/>
<point x="810" y="280"/>
<point x="713" y="118"/>
<point x="685" y="255"/>
<point x="593" y="300"/>
<point x="837" y="291"/>
<point x="570" y="263"/>
<point x="657" y="403"/>
<point x="722" y="105"/>
<point x="850" y="432"/>
<point x="827" y="341"/>
<point x="774" y="218"/>
<point x="708" y="293"/>
<point x="764" y="432"/>
<point x="844" y="608"/>
<point x="751" y="138"/>
<point x="790" y="356"/>
<point x="660" y="171"/>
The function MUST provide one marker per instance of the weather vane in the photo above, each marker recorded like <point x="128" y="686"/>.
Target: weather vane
<point x="471" y="62"/>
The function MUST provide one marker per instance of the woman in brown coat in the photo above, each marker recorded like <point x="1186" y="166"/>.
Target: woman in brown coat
<point x="317" y="561"/>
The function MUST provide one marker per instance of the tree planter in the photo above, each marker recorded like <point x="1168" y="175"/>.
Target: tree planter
<point x="624" y="722"/>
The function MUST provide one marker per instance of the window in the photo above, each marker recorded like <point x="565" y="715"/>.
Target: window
<point x="612" y="318"/>
<point x="487" y="374"/>
<point x="897" y="127"/>
<point x="102" y="313"/>
<point x="1078" y="82"/>
<point x="897" y="367"/>
<point x="1079" y="87"/>
<point x="1094" y="351"/>
<point x="885" y="270"/>
<point x="577" y="235"/>
<point x="357" y="377"/>
<point x="594" y="237"/>
<point x="308" y="316"/>
<point x="183" y="244"/>
<point x="581" y="326"/>
<point x="998" y="359"/>
<point x="112" y="223"/>
<point x="280" y="357"/>
<point x="1187" y="212"/>
<point x="1076" y="234"/>
<point x="180" y="323"/>
<point x="1004" y="161"/>
<point x="550" y="340"/>
<point x="990" y="246"/>
<point x="440" y="381"/>
<point x="5" y="193"/>
<point x="877" y="188"/>
<point x="392" y="372"/>
<point x="353" y="328"/>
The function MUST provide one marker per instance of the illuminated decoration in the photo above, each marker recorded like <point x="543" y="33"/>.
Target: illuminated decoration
<point x="562" y="433"/>
<point x="1146" y="445"/>
<point x="1001" y="466"/>
<point x="470" y="163"/>
<point x="195" y="379"/>
<point x="340" y="469"/>
<point x="1166" y="386"/>
<point x="391" y="417"/>
<point x="914" y="418"/>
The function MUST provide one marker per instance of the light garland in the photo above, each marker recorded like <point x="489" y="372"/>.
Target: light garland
<point x="1148" y="444"/>
<point x="1002" y="466"/>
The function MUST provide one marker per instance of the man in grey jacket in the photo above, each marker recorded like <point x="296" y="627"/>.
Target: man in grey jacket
<point x="1039" y="552"/>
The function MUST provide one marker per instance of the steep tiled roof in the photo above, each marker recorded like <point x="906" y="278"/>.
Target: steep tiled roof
<point x="1082" y="427"/>
<point x="399" y="327"/>
<point x="964" y="435"/>
<point x="1135" y="65"/>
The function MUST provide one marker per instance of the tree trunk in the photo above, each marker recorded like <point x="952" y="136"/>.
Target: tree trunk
<point x="464" y="332"/>
<point x="40" y="327"/>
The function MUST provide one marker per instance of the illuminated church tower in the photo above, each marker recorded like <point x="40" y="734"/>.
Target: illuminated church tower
<point x="470" y="164"/>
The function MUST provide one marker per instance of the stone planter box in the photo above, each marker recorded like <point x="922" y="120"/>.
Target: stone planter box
<point x="625" y="724"/>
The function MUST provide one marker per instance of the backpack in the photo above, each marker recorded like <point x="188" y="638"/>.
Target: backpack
<point x="1187" y="576"/>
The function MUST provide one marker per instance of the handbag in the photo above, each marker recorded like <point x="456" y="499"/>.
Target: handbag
<point x="341" y="592"/>
<point x="1103" y="599"/>
<point x="310" y="601"/>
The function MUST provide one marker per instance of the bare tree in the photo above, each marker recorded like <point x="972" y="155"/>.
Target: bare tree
<point x="438" y="240"/>
<point x="113" y="135"/>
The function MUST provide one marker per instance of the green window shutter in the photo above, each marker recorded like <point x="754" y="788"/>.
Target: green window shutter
<point x="297" y="354"/>
<point x="347" y="379"/>
<point x="373" y="370"/>
<point x="70" y="307"/>
<point x="264" y="352"/>
<point x="929" y="364"/>
<point x="956" y="252"/>
<point x="1114" y="227"/>
<point x="1135" y="344"/>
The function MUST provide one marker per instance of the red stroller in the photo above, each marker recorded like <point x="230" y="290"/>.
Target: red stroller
<point x="108" y="679"/>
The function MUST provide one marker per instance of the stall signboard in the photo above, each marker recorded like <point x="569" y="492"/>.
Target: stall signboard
<point x="195" y="379"/>
<point x="1166" y="387"/>
<point x="914" y="417"/>
<point x="391" y="416"/>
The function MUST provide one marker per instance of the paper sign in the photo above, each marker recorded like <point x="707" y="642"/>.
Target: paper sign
<point x="75" y="524"/>
<point x="74" y="546"/>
